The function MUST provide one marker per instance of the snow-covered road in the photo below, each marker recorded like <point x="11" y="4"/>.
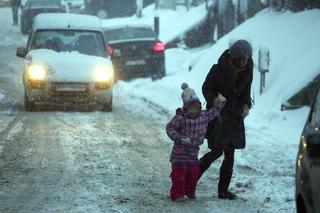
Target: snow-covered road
<point x="71" y="161"/>
<point x="80" y="161"/>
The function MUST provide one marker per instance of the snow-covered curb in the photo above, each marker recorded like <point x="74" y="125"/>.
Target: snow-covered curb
<point x="173" y="23"/>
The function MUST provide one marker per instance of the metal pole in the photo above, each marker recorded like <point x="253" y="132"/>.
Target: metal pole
<point x="139" y="4"/>
<point x="263" y="67"/>
<point x="157" y="3"/>
<point x="187" y="4"/>
<point x="260" y="70"/>
<point x="157" y="24"/>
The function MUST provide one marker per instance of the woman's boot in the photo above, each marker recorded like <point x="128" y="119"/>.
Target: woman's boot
<point x="223" y="185"/>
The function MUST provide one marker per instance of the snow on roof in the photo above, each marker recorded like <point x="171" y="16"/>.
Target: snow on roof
<point x="64" y="20"/>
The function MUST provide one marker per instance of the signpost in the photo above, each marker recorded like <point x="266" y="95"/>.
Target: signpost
<point x="263" y="66"/>
<point x="156" y="24"/>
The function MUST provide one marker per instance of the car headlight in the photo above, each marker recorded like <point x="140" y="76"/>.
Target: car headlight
<point x="37" y="72"/>
<point x="103" y="74"/>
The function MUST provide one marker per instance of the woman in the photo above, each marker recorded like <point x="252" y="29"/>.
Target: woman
<point x="231" y="77"/>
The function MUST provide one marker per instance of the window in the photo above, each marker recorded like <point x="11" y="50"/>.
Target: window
<point x="44" y="3"/>
<point x="129" y="33"/>
<point x="84" y="42"/>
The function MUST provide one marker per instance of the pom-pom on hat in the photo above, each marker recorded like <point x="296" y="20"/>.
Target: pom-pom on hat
<point x="188" y="95"/>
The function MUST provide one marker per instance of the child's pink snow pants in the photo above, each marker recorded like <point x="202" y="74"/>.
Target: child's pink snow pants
<point x="184" y="180"/>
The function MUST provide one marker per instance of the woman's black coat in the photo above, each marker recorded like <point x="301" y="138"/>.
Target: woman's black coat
<point x="228" y="129"/>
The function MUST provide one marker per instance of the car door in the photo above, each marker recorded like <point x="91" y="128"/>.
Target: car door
<point x="315" y="162"/>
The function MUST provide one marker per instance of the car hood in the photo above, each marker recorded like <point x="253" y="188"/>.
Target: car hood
<point x="68" y="66"/>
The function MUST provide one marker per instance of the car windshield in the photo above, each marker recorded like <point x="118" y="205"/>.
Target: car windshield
<point x="129" y="33"/>
<point x="37" y="3"/>
<point x="85" y="42"/>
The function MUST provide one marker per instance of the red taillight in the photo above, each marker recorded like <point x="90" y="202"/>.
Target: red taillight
<point x="158" y="47"/>
<point x="110" y="50"/>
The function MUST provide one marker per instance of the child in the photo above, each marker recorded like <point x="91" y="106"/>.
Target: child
<point x="187" y="130"/>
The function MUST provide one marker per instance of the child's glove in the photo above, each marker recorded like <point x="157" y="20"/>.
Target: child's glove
<point x="219" y="101"/>
<point x="245" y="111"/>
<point x="185" y="140"/>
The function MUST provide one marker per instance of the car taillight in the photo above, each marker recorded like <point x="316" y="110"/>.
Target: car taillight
<point x="110" y="50"/>
<point x="158" y="47"/>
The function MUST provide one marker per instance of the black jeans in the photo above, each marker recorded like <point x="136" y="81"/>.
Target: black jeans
<point x="215" y="153"/>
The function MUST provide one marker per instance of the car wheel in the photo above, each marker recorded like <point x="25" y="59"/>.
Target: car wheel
<point x="107" y="107"/>
<point x="23" y="26"/>
<point x="159" y="74"/>
<point x="300" y="205"/>
<point x="29" y="105"/>
<point x="102" y="14"/>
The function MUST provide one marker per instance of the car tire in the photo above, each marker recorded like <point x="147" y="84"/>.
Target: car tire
<point x="23" y="26"/>
<point x="300" y="205"/>
<point x="107" y="107"/>
<point x="102" y="14"/>
<point x="159" y="74"/>
<point x="29" y="105"/>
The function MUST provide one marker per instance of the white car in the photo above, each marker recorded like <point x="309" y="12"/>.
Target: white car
<point x="67" y="61"/>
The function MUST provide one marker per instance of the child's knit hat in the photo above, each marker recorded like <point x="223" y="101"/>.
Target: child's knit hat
<point x="188" y="95"/>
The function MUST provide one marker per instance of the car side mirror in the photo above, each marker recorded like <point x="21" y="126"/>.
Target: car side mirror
<point x="313" y="145"/>
<point x="21" y="52"/>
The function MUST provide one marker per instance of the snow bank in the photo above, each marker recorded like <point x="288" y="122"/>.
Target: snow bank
<point x="292" y="39"/>
<point x="294" y="50"/>
<point x="173" y="23"/>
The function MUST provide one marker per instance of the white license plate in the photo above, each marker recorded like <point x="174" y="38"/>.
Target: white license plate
<point x="135" y="62"/>
<point x="71" y="88"/>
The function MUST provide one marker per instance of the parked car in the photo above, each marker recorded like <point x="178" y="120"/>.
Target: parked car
<point x="308" y="163"/>
<point x="136" y="51"/>
<point x="66" y="61"/>
<point x="110" y="8"/>
<point x="31" y="8"/>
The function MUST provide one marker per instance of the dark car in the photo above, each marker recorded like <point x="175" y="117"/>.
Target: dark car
<point x="35" y="7"/>
<point x="110" y="8"/>
<point x="136" y="51"/>
<point x="308" y="163"/>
